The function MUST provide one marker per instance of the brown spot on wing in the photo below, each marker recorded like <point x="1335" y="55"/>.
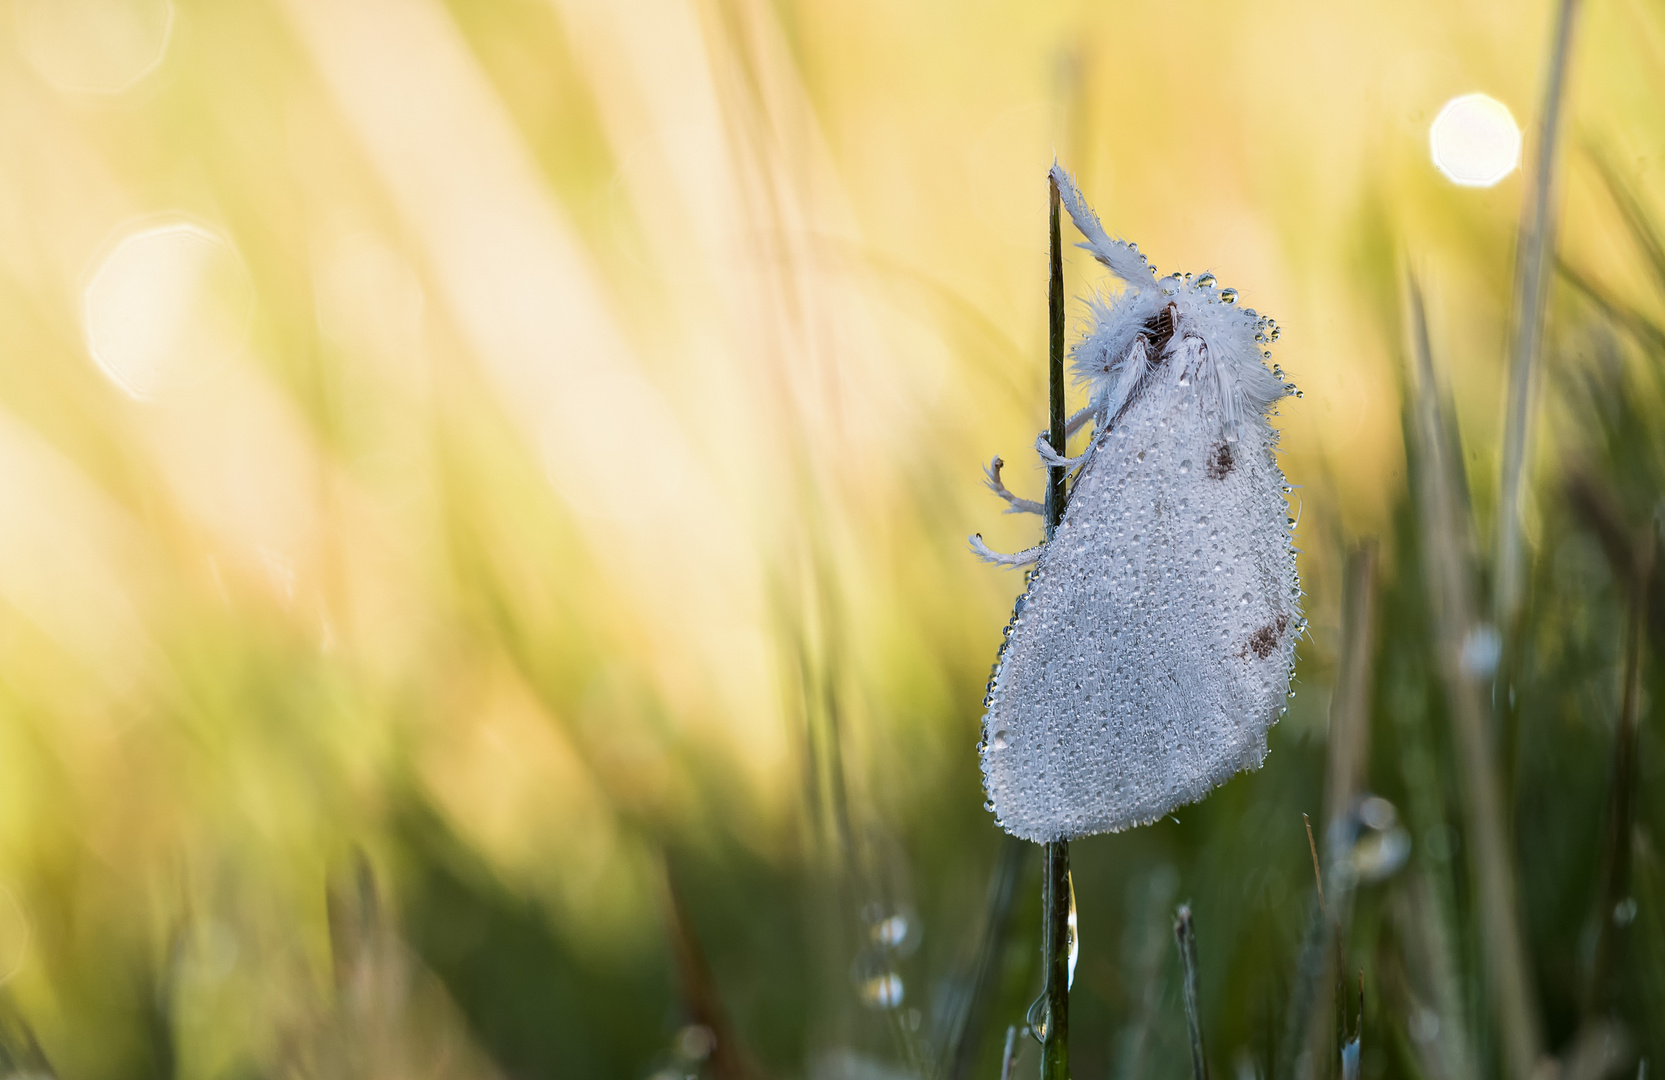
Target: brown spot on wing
<point x="1221" y="461"/>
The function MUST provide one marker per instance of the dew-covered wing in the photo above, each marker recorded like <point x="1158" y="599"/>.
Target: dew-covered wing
<point x="1152" y="650"/>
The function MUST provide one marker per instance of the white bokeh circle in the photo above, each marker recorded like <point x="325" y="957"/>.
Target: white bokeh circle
<point x="94" y="46"/>
<point x="166" y="306"/>
<point x="1475" y="141"/>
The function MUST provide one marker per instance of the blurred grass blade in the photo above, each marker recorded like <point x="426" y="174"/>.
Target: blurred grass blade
<point x="1537" y="241"/>
<point x="1430" y="953"/>
<point x="20" y="1052"/>
<point x="1308" y="1022"/>
<point x="1644" y="329"/>
<point x="352" y="908"/>
<point x="700" y="1001"/>
<point x="1632" y="564"/>
<point x="1349" y="750"/>
<point x="1599" y="1050"/>
<point x="1146" y="945"/>
<point x="1635" y="217"/>
<point x="1451" y="601"/>
<point x="965" y="1032"/>
<point x="1349" y="739"/>
<point x="1186" y="937"/>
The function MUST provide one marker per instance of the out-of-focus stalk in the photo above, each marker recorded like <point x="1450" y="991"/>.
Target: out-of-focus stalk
<point x="728" y="1060"/>
<point x="1532" y="275"/>
<point x="1349" y="748"/>
<point x="1185" y="936"/>
<point x="1349" y="744"/>
<point x="1055" y="936"/>
<point x="966" y="1034"/>
<point x="1457" y="639"/>
<point x="1632" y="557"/>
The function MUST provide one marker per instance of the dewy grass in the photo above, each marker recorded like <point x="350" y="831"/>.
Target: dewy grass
<point x="1056" y="894"/>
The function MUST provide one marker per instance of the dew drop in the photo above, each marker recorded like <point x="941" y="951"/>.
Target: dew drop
<point x="1228" y="296"/>
<point x="1073" y="930"/>
<point x="882" y="991"/>
<point x="1039" y="1014"/>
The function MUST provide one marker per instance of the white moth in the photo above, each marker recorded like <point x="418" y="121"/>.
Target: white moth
<point x="1153" y="647"/>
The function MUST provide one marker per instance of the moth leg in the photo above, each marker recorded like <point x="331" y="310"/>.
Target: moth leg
<point x="1078" y="421"/>
<point x="1018" y="506"/>
<point x="1021" y="558"/>
<point x="1048" y="455"/>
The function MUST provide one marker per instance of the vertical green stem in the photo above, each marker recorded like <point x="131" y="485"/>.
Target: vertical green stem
<point x="1055" y="493"/>
<point x="1055" y="890"/>
<point x="1055" y="947"/>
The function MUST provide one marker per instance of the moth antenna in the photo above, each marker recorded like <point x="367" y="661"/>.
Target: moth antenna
<point x="1122" y="258"/>
<point x="1020" y="558"/>
<point x="1018" y="506"/>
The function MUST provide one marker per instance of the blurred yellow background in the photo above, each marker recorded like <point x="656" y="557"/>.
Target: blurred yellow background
<point x="555" y="412"/>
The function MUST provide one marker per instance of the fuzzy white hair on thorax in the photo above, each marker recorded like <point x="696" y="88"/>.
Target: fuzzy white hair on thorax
<point x="1173" y="323"/>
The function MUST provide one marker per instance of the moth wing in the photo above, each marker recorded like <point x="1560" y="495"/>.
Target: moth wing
<point x="1152" y="650"/>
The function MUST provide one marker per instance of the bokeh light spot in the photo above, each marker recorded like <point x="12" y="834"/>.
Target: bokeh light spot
<point x="94" y="46"/>
<point x="1475" y="141"/>
<point x="167" y="305"/>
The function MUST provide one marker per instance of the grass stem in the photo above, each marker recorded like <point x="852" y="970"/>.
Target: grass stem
<point x="1349" y="740"/>
<point x="1532" y="276"/>
<point x="967" y="1035"/>
<point x="1612" y="916"/>
<point x="1055" y="1054"/>
<point x="1451" y="597"/>
<point x="1185" y="936"/>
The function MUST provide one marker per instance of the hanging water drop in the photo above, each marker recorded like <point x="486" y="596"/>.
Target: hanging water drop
<point x="1039" y="1014"/>
<point x="1074" y="934"/>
